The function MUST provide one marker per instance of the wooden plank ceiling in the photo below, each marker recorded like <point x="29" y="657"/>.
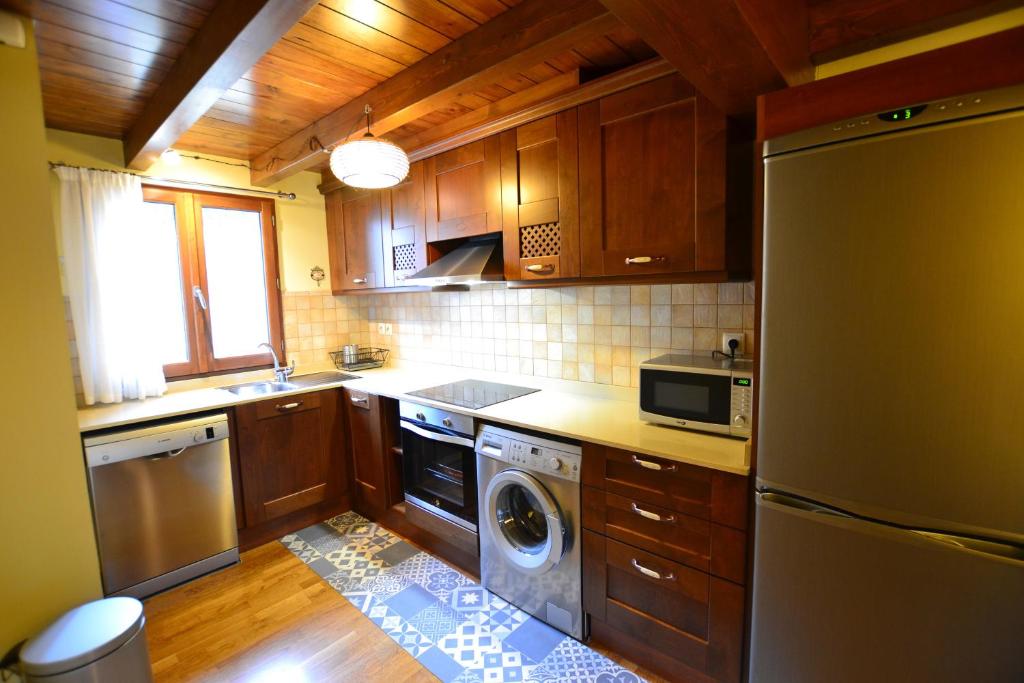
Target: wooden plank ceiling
<point x="102" y="60"/>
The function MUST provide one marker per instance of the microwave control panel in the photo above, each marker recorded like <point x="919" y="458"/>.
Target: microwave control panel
<point x="742" y="403"/>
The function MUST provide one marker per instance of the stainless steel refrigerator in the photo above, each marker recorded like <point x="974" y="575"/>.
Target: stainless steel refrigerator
<point x="890" y="469"/>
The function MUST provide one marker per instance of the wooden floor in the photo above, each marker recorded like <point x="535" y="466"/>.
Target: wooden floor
<point x="272" y="619"/>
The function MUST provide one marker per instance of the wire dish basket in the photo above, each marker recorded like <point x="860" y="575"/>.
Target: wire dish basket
<point x="366" y="357"/>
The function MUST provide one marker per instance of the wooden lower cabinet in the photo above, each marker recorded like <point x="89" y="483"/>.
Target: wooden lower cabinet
<point x="291" y="458"/>
<point x="664" y="557"/>
<point x="376" y="471"/>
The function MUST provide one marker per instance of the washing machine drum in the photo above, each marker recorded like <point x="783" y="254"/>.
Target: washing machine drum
<point x="524" y="522"/>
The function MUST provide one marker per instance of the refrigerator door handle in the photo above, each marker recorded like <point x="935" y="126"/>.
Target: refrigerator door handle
<point x="998" y="549"/>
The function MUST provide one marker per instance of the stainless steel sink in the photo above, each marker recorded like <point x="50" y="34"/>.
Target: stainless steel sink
<point x="301" y="382"/>
<point x="261" y="388"/>
<point x="318" y="378"/>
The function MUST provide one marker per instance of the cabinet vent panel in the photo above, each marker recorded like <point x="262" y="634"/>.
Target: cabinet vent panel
<point x="404" y="256"/>
<point x="540" y="240"/>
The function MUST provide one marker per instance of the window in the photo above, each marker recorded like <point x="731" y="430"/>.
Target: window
<point x="212" y="270"/>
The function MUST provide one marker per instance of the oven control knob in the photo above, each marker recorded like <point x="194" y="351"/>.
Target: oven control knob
<point x="739" y="420"/>
<point x="447" y="422"/>
<point x="421" y="417"/>
<point x="198" y="437"/>
<point x="554" y="464"/>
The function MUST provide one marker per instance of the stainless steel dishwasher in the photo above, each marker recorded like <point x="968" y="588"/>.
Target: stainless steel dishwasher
<point x="163" y="503"/>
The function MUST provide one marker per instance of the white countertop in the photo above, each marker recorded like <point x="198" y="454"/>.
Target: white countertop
<point x="589" y="412"/>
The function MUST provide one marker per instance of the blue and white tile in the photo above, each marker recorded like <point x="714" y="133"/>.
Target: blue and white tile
<point x="437" y="620"/>
<point x="500" y="617"/>
<point x="355" y="563"/>
<point x="385" y="584"/>
<point x="470" y="598"/>
<point x="444" y="667"/>
<point x="502" y="664"/>
<point x="406" y="635"/>
<point x="573" y="661"/>
<point x="468" y="644"/>
<point x="535" y="639"/>
<point x="411" y="601"/>
<point x="300" y="548"/>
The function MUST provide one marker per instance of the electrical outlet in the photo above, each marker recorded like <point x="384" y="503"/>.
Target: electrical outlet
<point x="388" y="329"/>
<point x="380" y="328"/>
<point x="729" y="336"/>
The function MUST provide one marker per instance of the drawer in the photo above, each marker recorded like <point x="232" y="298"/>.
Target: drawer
<point x="694" y="542"/>
<point x="287" y="405"/>
<point x="679" y="487"/>
<point x="682" y="613"/>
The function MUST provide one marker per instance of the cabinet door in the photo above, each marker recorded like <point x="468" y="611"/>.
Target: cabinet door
<point x="540" y="205"/>
<point x="289" y="454"/>
<point x="404" y="228"/>
<point x="464" y="191"/>
<point x="652" y="182"/>
<point x="354" y="239"/>
<point x="369" y="456"/>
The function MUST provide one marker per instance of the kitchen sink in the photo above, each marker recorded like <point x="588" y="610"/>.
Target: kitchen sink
<point x="317" y="378"/>
<point x="261" y="388"/>
<point x="301" y="382"/>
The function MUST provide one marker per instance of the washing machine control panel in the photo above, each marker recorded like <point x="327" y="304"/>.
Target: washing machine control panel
<point x="530" y="453"/>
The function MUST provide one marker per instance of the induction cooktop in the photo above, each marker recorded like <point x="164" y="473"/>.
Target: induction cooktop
<point x="473" y="393"/>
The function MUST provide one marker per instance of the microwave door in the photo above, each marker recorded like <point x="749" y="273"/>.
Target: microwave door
<point x="687" y="396"/>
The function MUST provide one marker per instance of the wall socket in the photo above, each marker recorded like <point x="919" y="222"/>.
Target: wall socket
<point x="384" y="328"/>
<point x="729" y="336"/>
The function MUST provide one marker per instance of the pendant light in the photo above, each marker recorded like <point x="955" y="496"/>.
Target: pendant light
<point x="369" y="162"/>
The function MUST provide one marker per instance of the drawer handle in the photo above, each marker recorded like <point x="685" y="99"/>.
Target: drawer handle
<point x="639" y="260"/>
<point x="653" y="465"/>
<point x="282" y="407"/>
<point x="541" y="268"/>
<point x="359" y="280"/>
<point x="365" y="401"/>
<point x="647" y="514"/>
<point x="651" y="573"/>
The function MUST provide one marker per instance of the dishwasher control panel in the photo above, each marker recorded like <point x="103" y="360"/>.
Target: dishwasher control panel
<point x="162" y="439"/>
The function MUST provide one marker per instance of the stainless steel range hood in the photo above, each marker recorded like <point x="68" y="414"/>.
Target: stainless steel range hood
<point x="477" y="260"/>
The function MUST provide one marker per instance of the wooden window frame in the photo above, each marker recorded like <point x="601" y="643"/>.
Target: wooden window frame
<point x="188" y="208"/>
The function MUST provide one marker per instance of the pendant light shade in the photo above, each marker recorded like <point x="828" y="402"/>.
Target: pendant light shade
<point x="369" y="162"/>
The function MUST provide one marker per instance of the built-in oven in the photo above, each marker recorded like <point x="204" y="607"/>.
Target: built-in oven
<point x="698" y="392"/>
<point x="439" y="463"/>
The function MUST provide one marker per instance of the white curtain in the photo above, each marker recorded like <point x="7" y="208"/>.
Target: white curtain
<point x="106" y="282"/>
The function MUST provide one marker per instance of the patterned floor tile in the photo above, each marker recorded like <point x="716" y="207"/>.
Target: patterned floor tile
<point x="441" y="665"/>
<point x="302" y="550"/>
<point x="468" y="644"/>
<point x="355" y="563"/>
<point x="503" y="664"/>
<point x="437" y="620"/>
<point x="573" y="661"/>
<point x="536" y="639"/>
<point x="411" y="601"/>
<point x="470" y="598"/>
<point x="396" y="553"/>
<point x="500" y="617"/>
<point x="386" y="584"/>
<point x="406" y="635"/>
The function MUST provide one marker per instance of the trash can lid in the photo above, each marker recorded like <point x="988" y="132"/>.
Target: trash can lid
<point x="82" y="636"/>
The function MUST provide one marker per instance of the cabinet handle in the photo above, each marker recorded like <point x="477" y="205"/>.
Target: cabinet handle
<point x="651" y="573"/>
<point x="282" y="407"/>
<point x="364" y="401"/>
<point x="647" y="514"/>
<point x="541" y="268"/>
<point x="653" y="465"/>
<point x="401" y="277"/>
<point x="359" y="280"/>
<point x="638" y="260"/>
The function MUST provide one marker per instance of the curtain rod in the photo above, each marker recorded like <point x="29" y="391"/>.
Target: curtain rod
<point x="172" y="182"/>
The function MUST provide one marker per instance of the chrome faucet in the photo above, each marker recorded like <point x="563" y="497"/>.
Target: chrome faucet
<point x="280" y="374"/>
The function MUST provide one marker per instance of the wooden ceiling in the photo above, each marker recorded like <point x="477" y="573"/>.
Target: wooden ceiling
<point x="120" y="68"/>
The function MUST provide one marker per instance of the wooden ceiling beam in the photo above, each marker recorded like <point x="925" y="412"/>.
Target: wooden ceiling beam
<point x="731" y="50"/>
<point x="231" y="40"/>
<point x="520" y="38"/>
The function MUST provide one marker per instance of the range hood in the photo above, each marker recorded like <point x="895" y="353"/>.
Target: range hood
<point x="473" y="262"/>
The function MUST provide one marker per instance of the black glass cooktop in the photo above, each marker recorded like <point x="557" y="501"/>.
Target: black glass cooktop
<point x="472" y="393"/>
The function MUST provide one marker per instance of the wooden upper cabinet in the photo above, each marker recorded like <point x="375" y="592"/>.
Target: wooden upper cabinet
<point x="404" y="227"/>
<point x="652" y="182"/>
<point x="354" y="239"/>
<point x="540" y="199"/>
<point x="463" y="188"/>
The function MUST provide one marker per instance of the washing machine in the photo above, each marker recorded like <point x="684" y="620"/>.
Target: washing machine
<point x="529" y="498"/>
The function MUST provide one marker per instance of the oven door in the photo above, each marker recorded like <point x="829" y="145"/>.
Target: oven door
<point x="439" y="469"/>
<point x="688" y="399"/>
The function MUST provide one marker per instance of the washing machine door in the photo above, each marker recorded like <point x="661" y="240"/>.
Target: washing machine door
<point x="524" y="521"/>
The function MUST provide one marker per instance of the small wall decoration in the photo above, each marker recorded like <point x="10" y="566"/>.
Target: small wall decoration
<point x="317" y="274"/>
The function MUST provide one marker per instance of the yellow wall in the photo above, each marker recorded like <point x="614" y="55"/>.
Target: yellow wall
<point x="301" y="223"/>
<point x="932" y="41"/>
<point x="49" y="561"/>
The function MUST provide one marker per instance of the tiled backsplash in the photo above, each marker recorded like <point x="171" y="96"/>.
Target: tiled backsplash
<point x="591" y="334"/>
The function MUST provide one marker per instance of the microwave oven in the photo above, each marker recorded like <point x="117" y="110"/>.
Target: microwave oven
<point x="698" y="392"/>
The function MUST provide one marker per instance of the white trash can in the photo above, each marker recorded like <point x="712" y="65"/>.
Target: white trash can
<point x="98" y="642"/>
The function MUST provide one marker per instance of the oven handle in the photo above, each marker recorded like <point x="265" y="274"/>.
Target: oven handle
<point x="435" y="436"/>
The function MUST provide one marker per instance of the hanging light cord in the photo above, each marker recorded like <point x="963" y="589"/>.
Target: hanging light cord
<point x="315" y="145"/>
